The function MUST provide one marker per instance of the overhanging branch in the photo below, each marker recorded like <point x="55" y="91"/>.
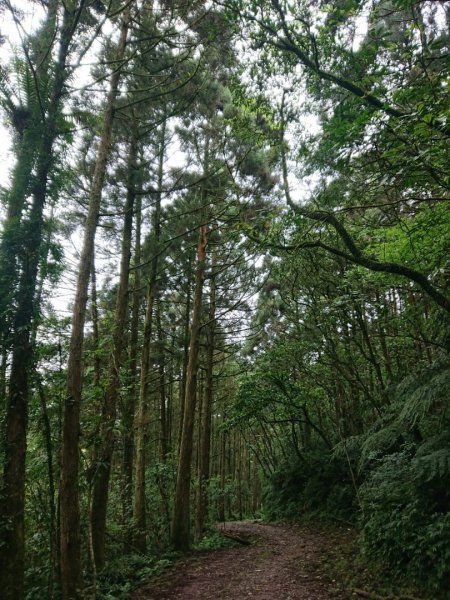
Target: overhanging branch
<point x="356" y="256"/>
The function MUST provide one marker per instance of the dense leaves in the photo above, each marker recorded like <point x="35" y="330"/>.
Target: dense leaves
<point x="261" y="324"/>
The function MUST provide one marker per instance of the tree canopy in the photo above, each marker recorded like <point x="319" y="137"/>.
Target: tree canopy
<point x="224" y="282"/>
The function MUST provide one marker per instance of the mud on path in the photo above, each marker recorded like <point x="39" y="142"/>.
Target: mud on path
<point x="282" y="563"/>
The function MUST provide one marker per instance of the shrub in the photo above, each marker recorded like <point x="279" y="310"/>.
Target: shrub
<point x="320" y="485"/>
<point x="123" y="574"/>
<point x="405" y="520"/>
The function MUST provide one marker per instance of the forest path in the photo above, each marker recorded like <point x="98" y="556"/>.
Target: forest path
<point x="282" y="563"/>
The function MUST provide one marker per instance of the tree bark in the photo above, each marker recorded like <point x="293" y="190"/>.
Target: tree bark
<point x="139" y="512"/>
<point x="106" y="447"/>
<point x="205" y="441"/>
<point x="95" y="328"/>
<point x="51" y="488"/>
<point x="130" y="400"/>
<point x="162" y="387"/>
<point x="181" y="511"/>
<point x="12" y="543"/>
<point x="187" y="322"/>
<point x="71" y="575"/>
<point x="222" y="471"/>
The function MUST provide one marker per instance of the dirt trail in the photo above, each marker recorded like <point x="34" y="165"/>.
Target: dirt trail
<point x="283" y="563"/>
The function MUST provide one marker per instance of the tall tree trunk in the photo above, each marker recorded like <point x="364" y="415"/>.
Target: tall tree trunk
<point x="184" y="367"/>
<point x="109" y="410"/>
<point x="139" y="513"/>
<point x="256" y="488"/>
<point x="163" y="480"/>
<point x="3" y="369"/>
<point x="71" y="576"/>
<point x="205" y="441"/>
<point x="95" y="327"/>
<point x="222" y="470"/>
<point x="130" y="400"/>
<point x="181" y="511"/>
<point x="170" y="395"/>
<point x="12" y="540"/>
<point x="238" y="472"/>
<point x="162" y="387"/>
<point x="51" y="485"/>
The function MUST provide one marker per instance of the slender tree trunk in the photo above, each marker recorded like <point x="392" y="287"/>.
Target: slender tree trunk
<point x="163" y="422"/>
<point x="181" y="512"/>
<point x="359" y="313"/>
<point x="3" y="367"/>
<point x="139" y="512"/>
<point x="106" y="448"/>
<point x="71" y="576"/>
<point x="187" y="322"/>
<point x="95" y="327"/>
<point x="162" y="387"/>
<point x="222" y="470"/>
<point x="170" y="408"/>
<point x="205" y="440"/>
<point x="256" y="487"/>
<point x="238" y="474"/>
<point x="199" y="419"/>
<point x="130" y="400"/>
<point x="51" y="489"/>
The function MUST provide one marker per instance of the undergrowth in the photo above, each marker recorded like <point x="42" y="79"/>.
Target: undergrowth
<point x="348" y="573"/>
<point x="213" y="540"/>
<point x="124" y="574"/>
<point x="396" y="491"/>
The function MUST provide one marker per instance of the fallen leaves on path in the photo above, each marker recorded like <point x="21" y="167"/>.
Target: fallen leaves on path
<point x="283" y="563"/>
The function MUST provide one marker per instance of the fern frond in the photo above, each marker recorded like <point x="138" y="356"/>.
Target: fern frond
<point x="424" y="393"/>
<point x="380" y="443"/>
<point x="351" y="446"/>
<point x="432" y="460"/>
<point x="433" y="466"/>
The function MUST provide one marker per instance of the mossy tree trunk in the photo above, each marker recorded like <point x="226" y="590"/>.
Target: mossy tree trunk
<point x="20" y="260"/>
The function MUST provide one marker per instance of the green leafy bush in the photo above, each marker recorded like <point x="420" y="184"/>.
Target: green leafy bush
<point x="405" y="499"/>
<point x="213" y="540"/>
<point x="405" y="519"/>
<point x="124" y="574"/>
<point x="320" y="484"/>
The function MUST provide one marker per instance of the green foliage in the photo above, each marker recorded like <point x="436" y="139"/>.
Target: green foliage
<point x="405" y="499"/>
<point x="36" y="577"/>
<point x="424" y="395"/>
<point x="212" y="540"/>
<point x="124" y="574"/>
<point x="326" y="404"/>
<point x="421" y="239"/>
<point x="317" y="485"/>
<point x="220" y="494"/>
<point x="401" y="523"/>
